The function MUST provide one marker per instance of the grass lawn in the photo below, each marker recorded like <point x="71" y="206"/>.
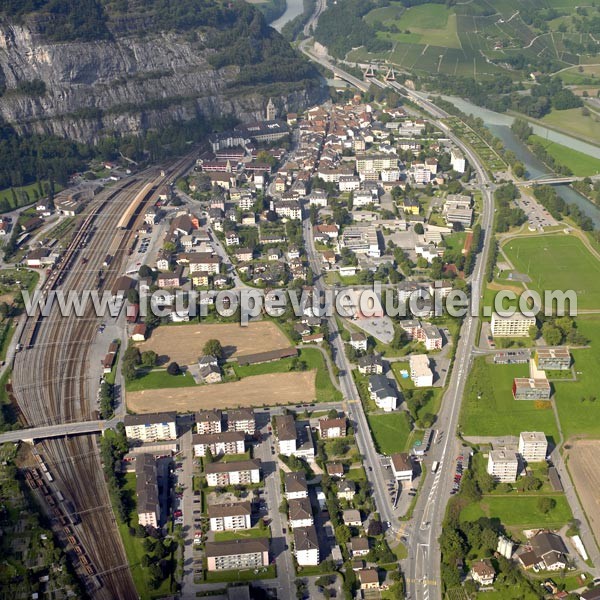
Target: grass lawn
<point x="357" y="474"/>
<point x="573" y="122"/>
<point x="580" y="164"/>
<point x="578" y="413"/>
<point x="255" y="532"/>
<point x="134" y="550"/>
<point x="521" y="512"/>
<point x="390" y="431"/>
<point x="557" y="262"/>
<point x="495" y="412"/>
<point x="326" y="392"/>
<point x="7" y="195"/>
<point x="160" y="379"/>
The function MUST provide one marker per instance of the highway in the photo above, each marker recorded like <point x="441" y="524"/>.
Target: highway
<point x="51" y="385"/>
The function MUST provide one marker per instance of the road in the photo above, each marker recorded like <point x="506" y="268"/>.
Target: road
<point x="351" y="396"/>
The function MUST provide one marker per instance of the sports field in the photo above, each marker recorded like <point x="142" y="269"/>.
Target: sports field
<point x="261" y="390"/>
<point x="184" y="343"/>
<point x="489" y="408"/>
<point x="557" y="262"/>
<point x="581" y="165"/>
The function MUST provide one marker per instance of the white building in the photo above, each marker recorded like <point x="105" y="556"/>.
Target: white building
<point x="226" y="442"/>
<point x="382" y="393"/>
<point x="241" y="472"/>
<point x="457" y="160"/>
<point x="503" y="465"/>
<point x="420" y="372"/>
<point x="533" y="446"/>
<point x="151" y="427"/>
<point x="286" y="434"/>
<point x="146" y="488"/>
<point x="402" y="467"/>
<point x="295" y="485"/>
<point x="306" y="546"/>
<point x="300" y="513"/>
<point x="358" y="341"/>
<point x="516" y="325"/>
<point x="230" y="517"/>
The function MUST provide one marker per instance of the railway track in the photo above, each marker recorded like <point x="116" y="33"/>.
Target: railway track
<point x="51" y="384"/>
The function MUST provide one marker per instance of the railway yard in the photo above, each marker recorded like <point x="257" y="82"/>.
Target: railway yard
<point x="69" y="477"/>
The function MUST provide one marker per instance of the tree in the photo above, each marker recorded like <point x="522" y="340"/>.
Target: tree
<point x="419" y="229"/>
<point x="173" y="369"/>
<point x="546" y="504"/>
<point x="551" y="334"/>
<point x="213" y="348"/>
<point x="146" y="272"/>
<point x="149" y="358"/>
<point x="332" y="414"/>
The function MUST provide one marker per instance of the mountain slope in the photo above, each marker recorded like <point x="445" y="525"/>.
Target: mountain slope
<point x="86" y="68"/>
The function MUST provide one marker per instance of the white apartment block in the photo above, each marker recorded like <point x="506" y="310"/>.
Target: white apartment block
<point x="517" y="325"/>
<point x="533" y="446"/>
<point x="457" y="160"/>
<point x="300" y="513"/>
<point x="230" y="517"/>
<point x="151" y="427"/>
<point x="226" y="442"/>
<point x="237" y="554"/>
<point x="503" y="465"/>
<point x="241" y="472"/>
<point x="306" y="546"/>
<point x="295" y="485"/>
<point x="209" y="421"/>
<point x="420" y="372"/>
<point x="286" y="434"/>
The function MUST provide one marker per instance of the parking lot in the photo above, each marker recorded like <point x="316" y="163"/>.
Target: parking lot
<point x="537" y="215"/>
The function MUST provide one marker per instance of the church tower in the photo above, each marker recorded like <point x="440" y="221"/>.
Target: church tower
<point x="271" y="110"/>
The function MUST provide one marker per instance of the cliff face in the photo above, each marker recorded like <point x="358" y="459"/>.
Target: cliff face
<point x="125" y="85"/>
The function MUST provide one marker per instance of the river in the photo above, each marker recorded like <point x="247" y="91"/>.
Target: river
<point x="499" y="124"/>
<point x="293" y="9"/>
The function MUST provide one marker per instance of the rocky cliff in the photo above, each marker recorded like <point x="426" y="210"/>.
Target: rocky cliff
<point x="130" y="82"/>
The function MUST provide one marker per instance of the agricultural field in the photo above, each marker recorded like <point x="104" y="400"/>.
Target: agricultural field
<point x="489" y="408"/>
<point x="471" y="40"/>
<point x="260" y="390"/>
<point x="583" y="461"/>
<point x="557" y="262"/>
<point x="183" y="343"/>
<point x="581" y="165"/>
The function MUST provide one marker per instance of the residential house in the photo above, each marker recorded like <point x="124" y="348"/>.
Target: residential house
<point x="170" y="279"/>
<point x="332" y="428"/>
<point x="358" y="341"/>
<point x="244" y="254"/>
<point x="370" y="364"/>
<point x="346" y="490"/>
<point x="369" y="579"/>
<point x="335" y="469"/>
<point x="382" y="393"/>
<point x="359" y="546"/>
<point x="352" y="518"/>
<point x="139" y="332"/>
<point x="483" y="572"/>
<point x="547" y="552"/>
<point x="230" y="517"/>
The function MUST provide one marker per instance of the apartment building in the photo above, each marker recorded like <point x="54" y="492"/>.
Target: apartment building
<point x="230" y="517"/>
<point x="306" y="546"/>
<point x="533" y="446"/>
<point x="503" y="465"/>
<point x="457" y="160"/>
<point x="516" y="325"/>
<point x="295" y="485"/>
<point x="237" y="554"/>
<point x="300" y="513"/>
<point x="431" y="337"/>
<point x="151" y="427"/>
<point x="241" y="472"/>
<point x="383" y="393"/>
<point x="553" y="359"/>
<point x="420" y="372"/>
<point x="528" y="388"/>
<point x="209" y="421"/>
<point x="332" y="428"/>
<point x="286" y="434"/>
<point x="146" y="489"/>
<point x="366" y="163"/>
<point x="242" y="419"/>
<point x="226" y="442"/>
